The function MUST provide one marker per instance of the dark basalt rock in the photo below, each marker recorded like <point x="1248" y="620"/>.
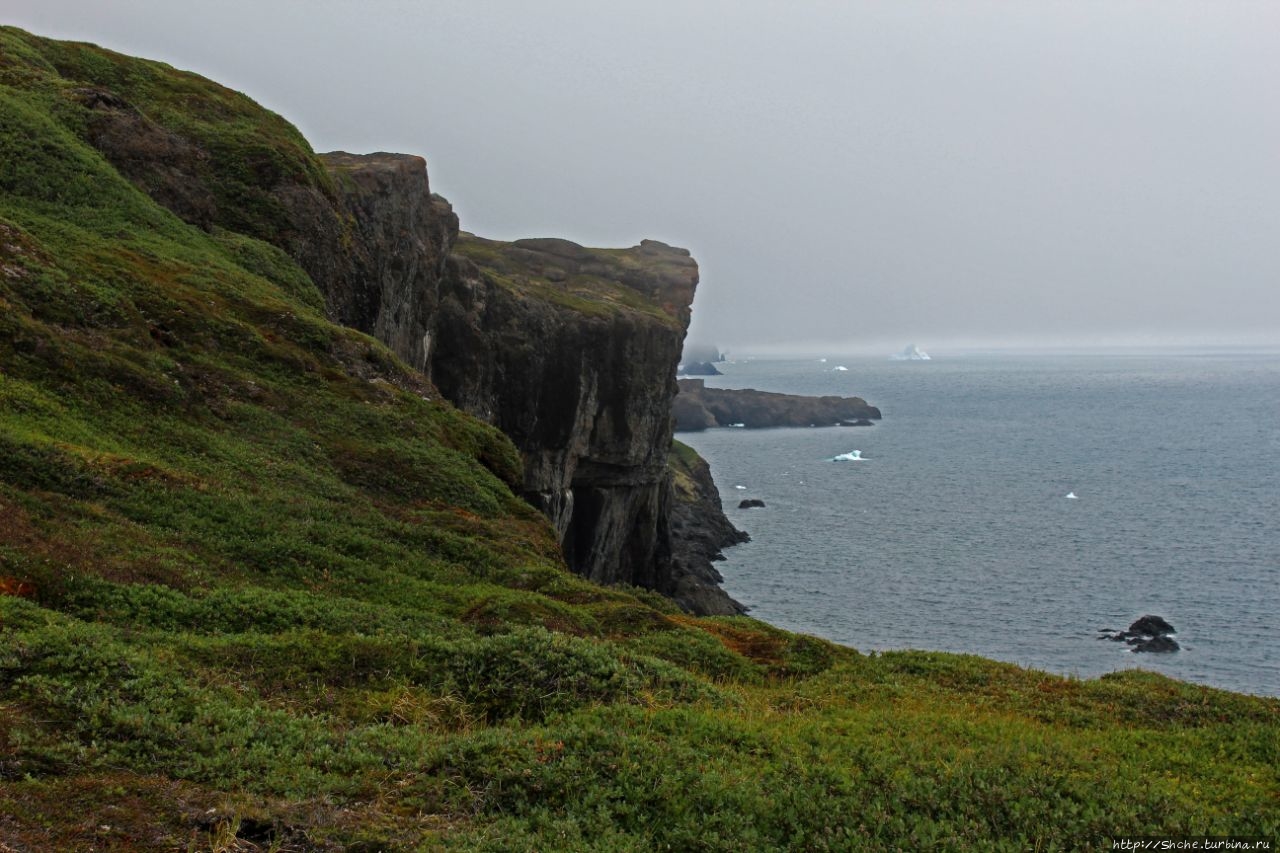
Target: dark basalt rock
<point x="699" y="531"/>
<point x="1146" y="634"/>
<point x="700" y="368"/>
<point x="1163" y="643"/>
<point x="750" y="503"/>
<point x="698" y="407"/>
<point x="1153" y="626"/>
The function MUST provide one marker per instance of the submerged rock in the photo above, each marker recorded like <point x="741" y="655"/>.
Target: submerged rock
<point x="1146" y="634"/>
<point x="749" y="503"/>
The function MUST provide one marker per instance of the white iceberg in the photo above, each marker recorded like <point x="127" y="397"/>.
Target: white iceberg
<point x="1071" y="496"/>
<point x="851" y="456"/>
<point x="910" y="353"/>
<point x="840" y="368"/>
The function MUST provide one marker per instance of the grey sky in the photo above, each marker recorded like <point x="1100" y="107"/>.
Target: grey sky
<point x="846" y="173"/>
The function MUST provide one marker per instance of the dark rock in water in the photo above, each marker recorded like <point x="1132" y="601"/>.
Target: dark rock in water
<point x="1152" y="626"/>
<point x="750" y="502"/>
<point x="858" y="422"/>
<point x="700" y="368"/>
<point x="1162" y="643"/>
<point x="1146" y="634"/>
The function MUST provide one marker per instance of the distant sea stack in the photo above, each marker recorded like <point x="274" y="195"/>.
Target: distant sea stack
<point x="698" y="407"/>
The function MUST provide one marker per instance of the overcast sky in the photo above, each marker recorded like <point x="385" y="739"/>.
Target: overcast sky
<point x="848" y="174"/>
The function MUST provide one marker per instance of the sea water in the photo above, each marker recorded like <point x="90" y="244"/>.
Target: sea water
<point x="951" y="527"/>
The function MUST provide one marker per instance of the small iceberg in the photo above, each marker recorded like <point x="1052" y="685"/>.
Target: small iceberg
<point x="738" y="426"/>
<point x="851" y="456"/>
<point x="822" y="361"/>
<point x="910" y="353"/>
<point x="840" y="368"/>
<point x="1071" y="496"/>
<point x="740" y="487"/>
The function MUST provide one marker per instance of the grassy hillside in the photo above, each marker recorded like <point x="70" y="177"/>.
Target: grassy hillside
<point x="260" y="589"/>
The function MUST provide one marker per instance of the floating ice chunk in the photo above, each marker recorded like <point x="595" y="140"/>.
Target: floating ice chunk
<point x="822" y="361"/>
<point x="851" y="456"/>
<point x="740" y="487"/>
<point x="1072" y="496"/>
<point x="738" y="426"/>
<point x="839" y="368"/>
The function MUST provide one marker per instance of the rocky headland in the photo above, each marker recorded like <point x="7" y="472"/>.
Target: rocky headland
<point x="568" y="350"/>
<point x="698" y="407"/>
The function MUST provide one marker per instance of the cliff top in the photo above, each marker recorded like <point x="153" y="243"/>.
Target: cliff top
<point x="651" y="278"/>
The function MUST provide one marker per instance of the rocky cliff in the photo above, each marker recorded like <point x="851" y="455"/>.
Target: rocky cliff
<point x="699" y="533"/>
<point x="570" y="351"/>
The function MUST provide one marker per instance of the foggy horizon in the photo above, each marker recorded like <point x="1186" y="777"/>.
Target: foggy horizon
<point x="849" y="176"/>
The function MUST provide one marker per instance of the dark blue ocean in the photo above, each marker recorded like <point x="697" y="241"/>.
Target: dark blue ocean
<point x="954" y="532"/>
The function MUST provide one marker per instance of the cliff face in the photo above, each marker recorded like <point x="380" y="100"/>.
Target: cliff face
<point x="570" y="351"/>
<point x="536" y="337"/>
<point x="385" y="278"/>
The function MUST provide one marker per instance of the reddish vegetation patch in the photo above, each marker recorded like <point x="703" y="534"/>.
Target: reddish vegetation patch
<point x="17" y="252"/>
<point x="496" y="614"/>
<point x="15" y="587"/>
<point x="756" y="646"/>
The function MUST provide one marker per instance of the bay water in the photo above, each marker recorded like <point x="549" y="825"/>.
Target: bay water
<point x="954" y="530"/>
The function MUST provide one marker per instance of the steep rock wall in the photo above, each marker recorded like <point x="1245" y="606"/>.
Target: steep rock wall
<point x="570" y="351"/>
<point x="537" y="342"/>
<point x="385" y="278"/>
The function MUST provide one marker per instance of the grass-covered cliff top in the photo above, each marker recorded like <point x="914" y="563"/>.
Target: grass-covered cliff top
<point x="651" y="279"/>
<point x="260" y="589"/>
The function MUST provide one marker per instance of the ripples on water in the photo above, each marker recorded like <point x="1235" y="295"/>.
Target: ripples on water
<point x="954" y="531"/>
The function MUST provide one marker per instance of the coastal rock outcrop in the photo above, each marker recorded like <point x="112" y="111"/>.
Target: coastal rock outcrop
<point x="699" y="532"/>
<point x="698" y="407"/>
<point x="1146" y="634"/>
<point x="571" y="352"/>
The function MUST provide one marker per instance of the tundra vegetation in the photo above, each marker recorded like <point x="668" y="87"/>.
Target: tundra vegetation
<point x="262" y="589"/>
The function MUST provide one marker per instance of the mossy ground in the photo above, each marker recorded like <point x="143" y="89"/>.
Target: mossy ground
<point x="261" y="589"/>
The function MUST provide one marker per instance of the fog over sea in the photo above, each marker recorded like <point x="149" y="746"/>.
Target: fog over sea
<point x="954" y="531"/>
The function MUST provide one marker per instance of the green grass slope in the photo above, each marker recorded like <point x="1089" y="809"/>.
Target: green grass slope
<point x="260" y="589"/>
